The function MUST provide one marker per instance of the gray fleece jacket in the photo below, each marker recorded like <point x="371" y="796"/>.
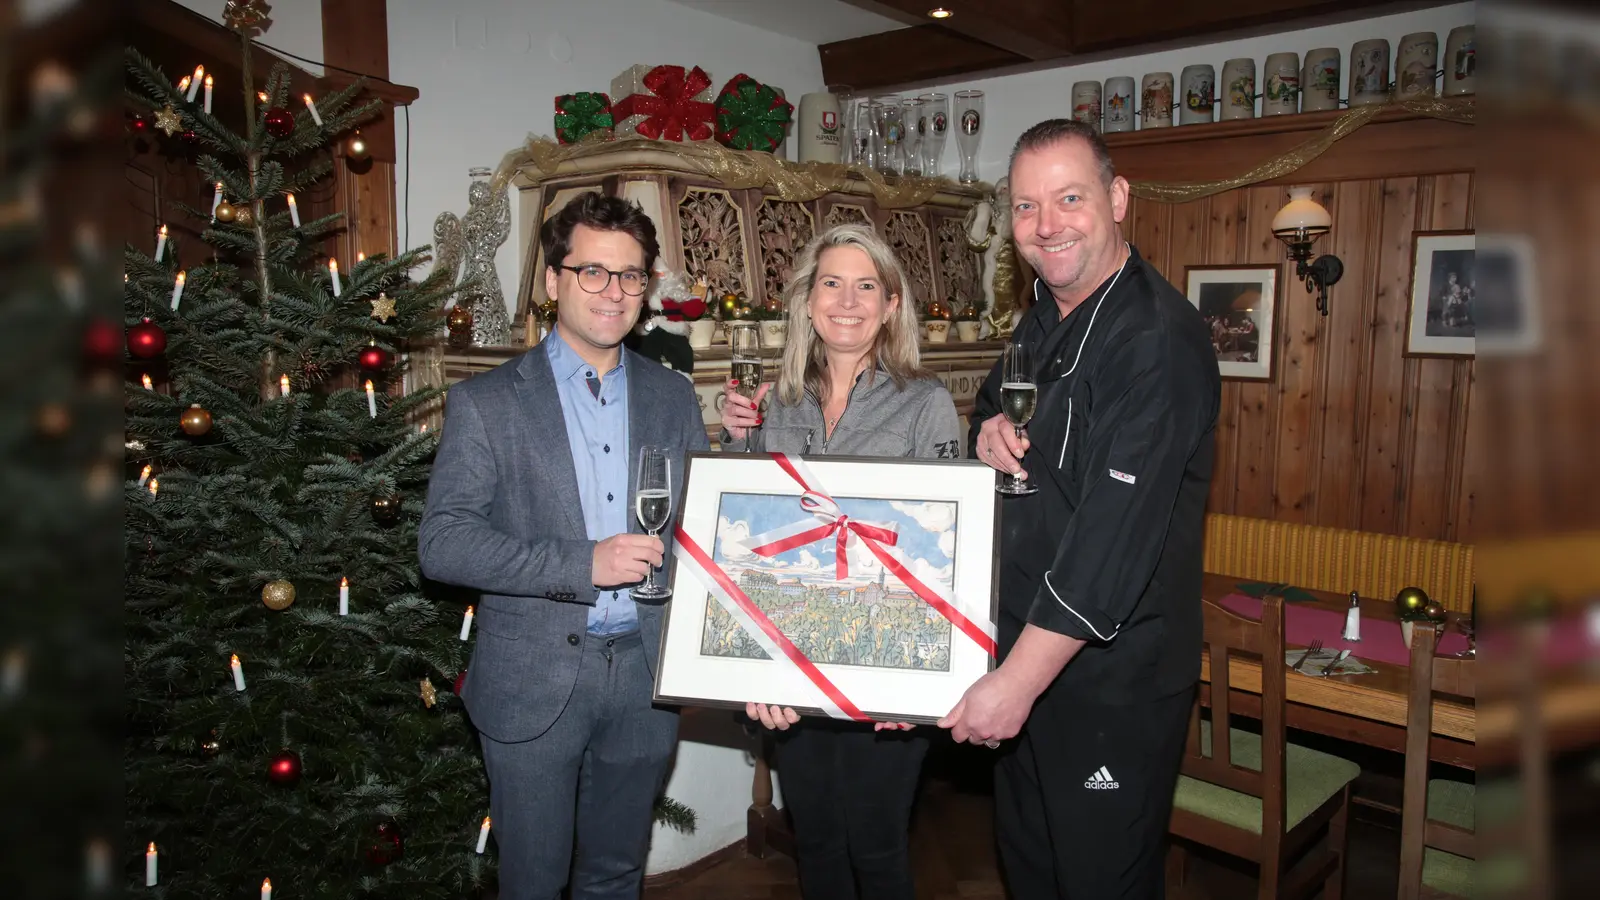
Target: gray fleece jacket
<point x="878" y="420"/>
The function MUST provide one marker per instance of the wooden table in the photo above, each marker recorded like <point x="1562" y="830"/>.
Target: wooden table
<point x="1366" y="709"/>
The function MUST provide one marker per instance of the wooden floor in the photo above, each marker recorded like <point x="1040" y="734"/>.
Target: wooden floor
<point x="952" y="846"/>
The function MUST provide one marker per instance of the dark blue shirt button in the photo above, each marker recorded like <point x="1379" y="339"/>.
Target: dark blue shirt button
<point x="602" y="402"/>
<point x="572" y="639"/>
<point x="608" y="496"/>
<point x="606" y="448"/>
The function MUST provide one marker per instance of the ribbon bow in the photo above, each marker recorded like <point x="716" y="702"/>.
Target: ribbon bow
<point x="835" y="523"/>
<point x="751" y="115"/>
<point x="581" y="114"/>
<point x="670" y="110"/>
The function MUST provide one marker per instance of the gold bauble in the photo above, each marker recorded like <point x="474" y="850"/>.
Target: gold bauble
<point x="1435" y="611"/>
<point x="970" y="314"/>
<point x="730" y="302"/>
<point x="548" y="310"/>
<point x="937" y="310"/>
<point x="242" y="215"/>
<point x="773" y="305"/>
<point x="225" y="212"/>
<point x="195" y="421"/>
<point x="278" y="595"/>
<point x="742" y="312"/>
<point x="459" y="320"/>
<point x="1410" y="602"/>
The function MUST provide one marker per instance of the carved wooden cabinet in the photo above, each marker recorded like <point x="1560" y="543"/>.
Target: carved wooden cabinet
<point x="743" y="240"/>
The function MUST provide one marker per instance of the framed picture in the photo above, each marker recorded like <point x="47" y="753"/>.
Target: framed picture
<point x="764" y="609"/>
<point x="1443" y="284"/>
<point x="1239" y="304"/>
<point x="1505" y="308"/>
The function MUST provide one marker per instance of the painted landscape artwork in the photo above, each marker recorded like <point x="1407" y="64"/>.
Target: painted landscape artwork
<point x="871" y="619"/>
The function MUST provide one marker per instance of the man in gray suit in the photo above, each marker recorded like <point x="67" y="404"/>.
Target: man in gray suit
<point x="531" y="503"/>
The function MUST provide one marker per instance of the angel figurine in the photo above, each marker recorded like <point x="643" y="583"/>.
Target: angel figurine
<point x="989" y="233"/>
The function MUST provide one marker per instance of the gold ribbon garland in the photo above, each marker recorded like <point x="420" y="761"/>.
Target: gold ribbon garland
<point x="1460" y="109"/>
<point x="734" y="169"/>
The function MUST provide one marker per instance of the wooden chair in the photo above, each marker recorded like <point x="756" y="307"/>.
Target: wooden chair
<point x="1260" y="797"/>
<point x="1437" y="819"/>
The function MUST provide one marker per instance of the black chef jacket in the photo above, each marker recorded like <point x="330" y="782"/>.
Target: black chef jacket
<point x="1121" y="448"/>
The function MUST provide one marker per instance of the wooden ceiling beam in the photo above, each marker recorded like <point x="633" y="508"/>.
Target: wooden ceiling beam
<point x="908" y="56"/>
<point x="1031" y="29"/>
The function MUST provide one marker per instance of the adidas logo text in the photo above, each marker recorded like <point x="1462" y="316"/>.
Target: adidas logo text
<point x="1101" y="780"/>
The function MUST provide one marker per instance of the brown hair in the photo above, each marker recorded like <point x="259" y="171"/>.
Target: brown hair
<point x="1053" y="131"/>
<point x="602" y="213"/>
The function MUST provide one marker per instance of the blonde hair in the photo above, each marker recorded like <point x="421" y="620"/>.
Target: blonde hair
<point x="894" y="350"/>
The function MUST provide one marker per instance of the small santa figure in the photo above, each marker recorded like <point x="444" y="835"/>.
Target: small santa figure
<point x="663" y="330"/>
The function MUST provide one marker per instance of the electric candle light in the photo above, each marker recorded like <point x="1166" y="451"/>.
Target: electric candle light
<point x="183" y="84"/>
<point x="238" y="673"/>
<point x="333" y="273"/>
<point x="194" y="83"/>
<point x="161" y="242"/>
<point x="261" y="96"/>
<point x="283" y="385"/>
<point x="155" y="485"/>
<point x="294" y="212"/>
<point x="466" y="629"/>
<point x="216" y="201"/>
<point x="344" y="596"/>
<point x="266" y="889"/>
<point x="150" y="865"/>
<point x="360" y="257"/>
<point x="372" y="405"/>
<point x="144" y="476"/>
<point x="483" y="833"/>
<point x="208" y="95"/>
<point x="177" y="289"/>
<point x="148" y="384"/>
<point x="315" y="116"/>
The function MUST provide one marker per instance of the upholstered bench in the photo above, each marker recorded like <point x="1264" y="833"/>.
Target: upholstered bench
<point x="1319" y="558"/>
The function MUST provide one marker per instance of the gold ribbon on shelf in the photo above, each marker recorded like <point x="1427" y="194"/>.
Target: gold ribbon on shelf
<point x="735" y="169"/>
<point x="1458" y="109"/>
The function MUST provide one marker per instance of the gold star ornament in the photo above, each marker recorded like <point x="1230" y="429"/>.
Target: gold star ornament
<point x="383" y="308"/>
<point x="248" y="17"/>
<point x="430" y="694"/>
<point x="168" y="120"/>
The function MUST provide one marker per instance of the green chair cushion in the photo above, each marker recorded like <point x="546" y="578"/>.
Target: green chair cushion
<point x="1312" y="778"/>
<point x="1447" y="873"/>
<point x="1453" y="803"/>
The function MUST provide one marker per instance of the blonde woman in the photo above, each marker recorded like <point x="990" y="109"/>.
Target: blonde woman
<point x="851" y="383"/>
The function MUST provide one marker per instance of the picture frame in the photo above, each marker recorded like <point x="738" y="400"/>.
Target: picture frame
<point x="871" y="637"/>
<point x="1505" y="308"/>
<point x="1240" y="306"/>
<point x="1439" y="320"/>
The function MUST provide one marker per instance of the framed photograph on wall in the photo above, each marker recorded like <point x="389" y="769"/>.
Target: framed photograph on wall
<point x="1505" y="310"/>
<point x="831" y="584"/>
<point x="1239" y="304"/>
<point x="1443" y="288"/>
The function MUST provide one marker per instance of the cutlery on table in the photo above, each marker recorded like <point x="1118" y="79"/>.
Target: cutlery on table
<point x="1311" y="651"/>
<point x="1327" y="669"/>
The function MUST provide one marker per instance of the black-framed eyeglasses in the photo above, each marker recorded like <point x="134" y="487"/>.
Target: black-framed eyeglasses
<point x="595" y="279"/>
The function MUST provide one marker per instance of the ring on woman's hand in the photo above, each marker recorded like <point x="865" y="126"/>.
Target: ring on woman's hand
<point x="992" y="745"/>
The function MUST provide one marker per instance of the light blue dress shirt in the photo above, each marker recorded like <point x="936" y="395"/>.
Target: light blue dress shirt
<point x="597" y="432"/>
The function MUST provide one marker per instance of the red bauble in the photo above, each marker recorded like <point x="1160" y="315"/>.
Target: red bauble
<point x="189" y="137"/>
<point x="460" y="680"/>
<point x="100" y="342"/>
<point x="373" y="359"/>
<point x="279" y="122"/>
<point x="284" y="768"/>
<point x="388" y="846"/>
<point x="146" y="340"/>
<point x="139" y="124"/>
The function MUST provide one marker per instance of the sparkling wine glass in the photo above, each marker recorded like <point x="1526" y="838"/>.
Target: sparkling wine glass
<point x="969" y="130"/>
<point x="652" y="504"/>
<point x="744" y="343"/>
<point x="1019" y="395"/>
<point x="937" y="108"/>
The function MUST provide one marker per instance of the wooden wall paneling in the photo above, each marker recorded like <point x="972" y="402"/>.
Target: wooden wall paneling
<point x="1224" y="235"/>
<point x="1148" y="226"/>
<point x="1385" y="403"/>
<point x="1257" y="454"/>
<point x="1346" y="347"/>
<point x="1444" y="205"/>
<point x="1299" y="379"/>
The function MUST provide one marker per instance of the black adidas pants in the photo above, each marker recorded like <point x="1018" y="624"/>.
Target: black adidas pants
<point x="1083" y="796"/>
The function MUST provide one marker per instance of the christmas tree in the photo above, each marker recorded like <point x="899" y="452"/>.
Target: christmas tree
<point x="289" y="683"/>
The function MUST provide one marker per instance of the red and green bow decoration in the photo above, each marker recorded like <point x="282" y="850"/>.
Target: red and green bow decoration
<point x="751" y="115"/>
<point x="581" y="114"/>
<point x="670" y="109"/>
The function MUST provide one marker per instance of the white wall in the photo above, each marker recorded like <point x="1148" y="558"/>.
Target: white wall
<point x="296" y="27"/>
<point x="1014" y="102"/>
<point x="489" y="72"/>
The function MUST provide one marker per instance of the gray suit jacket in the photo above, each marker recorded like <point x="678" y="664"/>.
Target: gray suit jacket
<point x="503" y="518"/>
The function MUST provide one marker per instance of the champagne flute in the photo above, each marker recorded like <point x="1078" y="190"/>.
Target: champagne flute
<point x="744" y="343"/>
<point x="652" y="505"/>
<point x="1018" y="397"/>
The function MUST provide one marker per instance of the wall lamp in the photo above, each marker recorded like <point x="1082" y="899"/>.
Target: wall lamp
<point x="1301" y="221"/>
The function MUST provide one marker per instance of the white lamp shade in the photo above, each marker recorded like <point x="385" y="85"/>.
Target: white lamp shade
<point x="1302" y="212"/>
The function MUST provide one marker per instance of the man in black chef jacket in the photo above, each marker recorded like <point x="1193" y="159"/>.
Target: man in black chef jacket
<point x="1100" y="569"/>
